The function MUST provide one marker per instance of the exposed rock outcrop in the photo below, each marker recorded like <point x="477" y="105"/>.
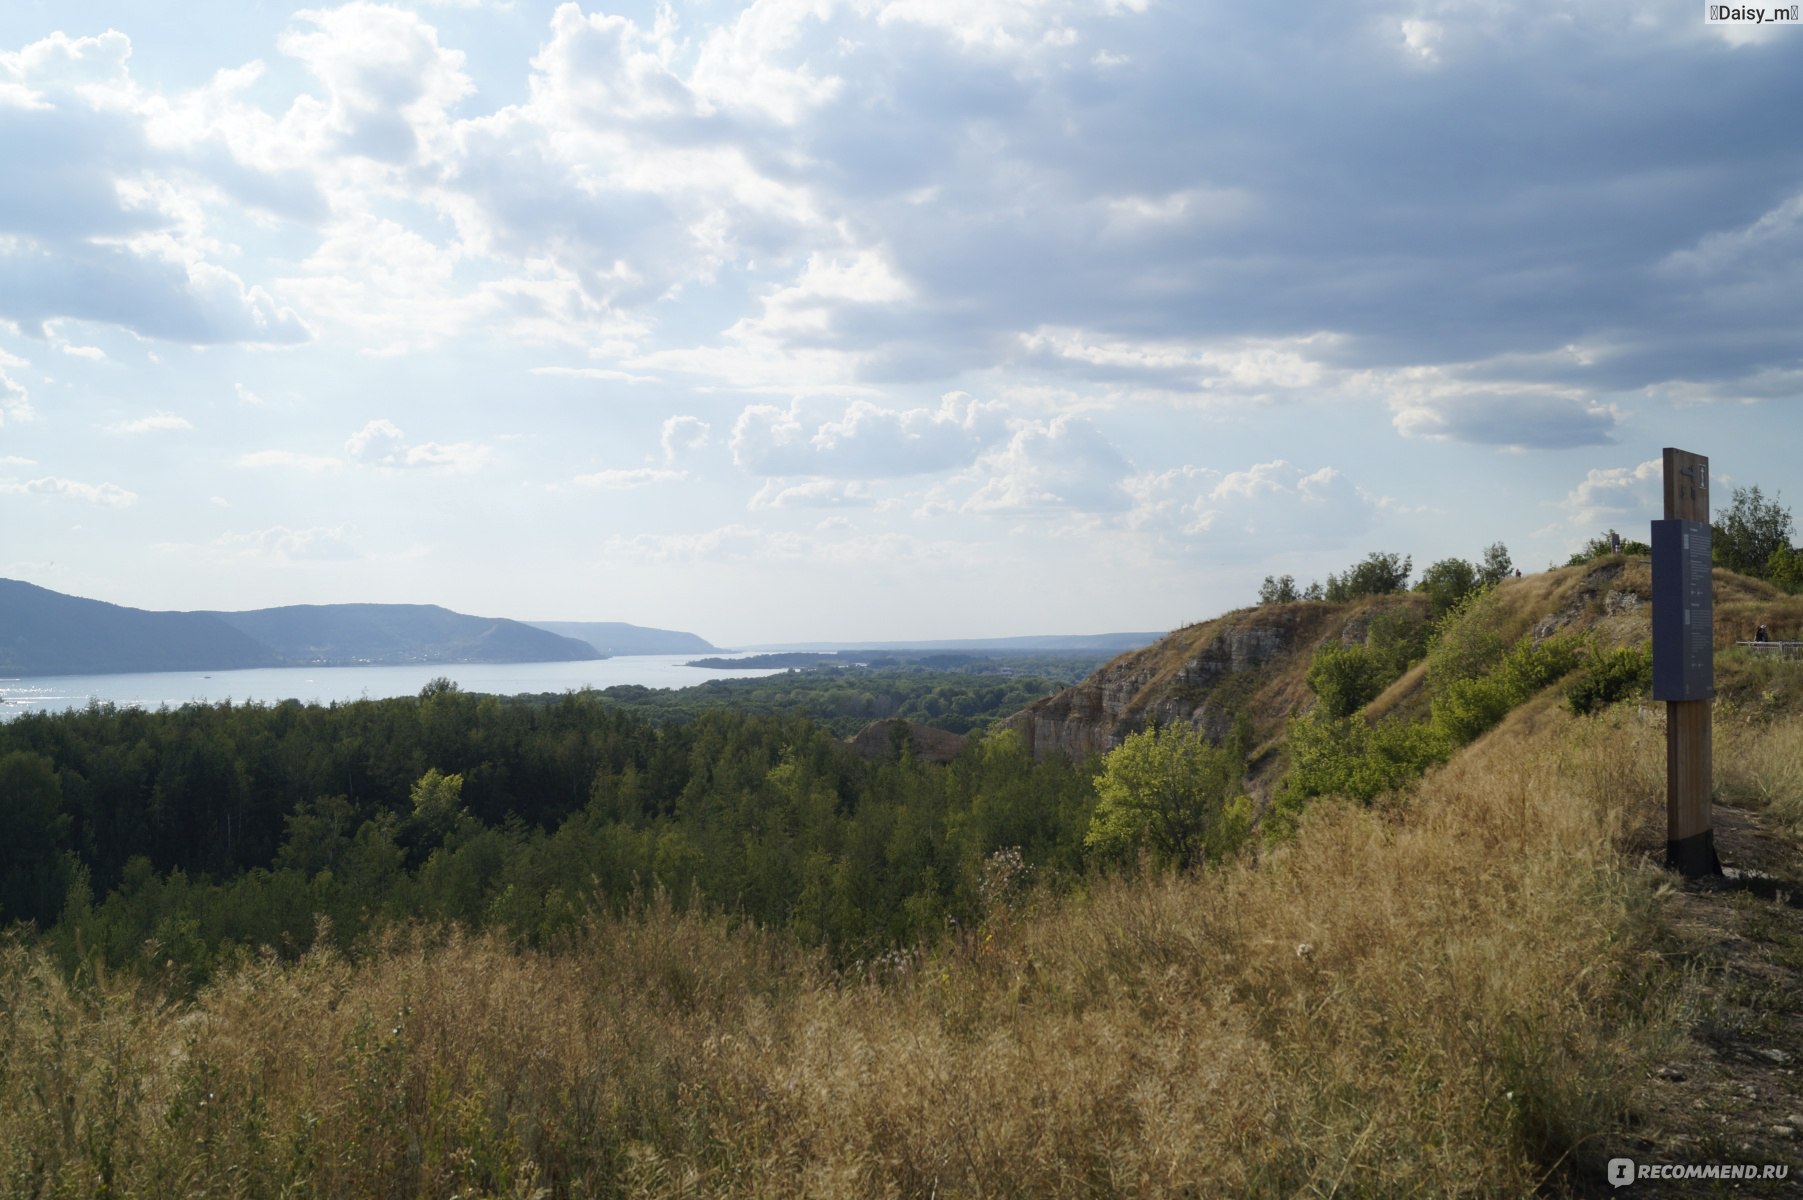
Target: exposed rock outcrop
<point x="1253" y="661"/>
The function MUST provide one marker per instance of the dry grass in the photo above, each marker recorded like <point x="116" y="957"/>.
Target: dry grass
<point x="1451" y="995"/>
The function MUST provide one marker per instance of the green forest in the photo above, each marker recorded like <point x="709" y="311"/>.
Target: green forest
<point x="178" y="839"/>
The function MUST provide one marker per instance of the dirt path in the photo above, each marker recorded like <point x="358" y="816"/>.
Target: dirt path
<point x="1734" y="1093"/>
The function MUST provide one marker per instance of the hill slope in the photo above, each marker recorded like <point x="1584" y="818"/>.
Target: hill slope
<point x="1255" y="661"/>
<point x="1251" y="661"/>
<point x="617" y="637"/>
<point x="47" y="633"/>
<point x="342" y="634"/>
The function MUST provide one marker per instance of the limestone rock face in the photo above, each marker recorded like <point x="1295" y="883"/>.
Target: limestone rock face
<point x="1252" y="661"/>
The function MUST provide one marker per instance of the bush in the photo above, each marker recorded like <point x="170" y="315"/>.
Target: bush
<point x="1531" y="666"/>
<point x="1468" y="707"/>
<point x="1378" y="575"/>
<point x="1447" y="582"/>
<point x="1345" y="679"/>
<point x="1171" y="791"/>
<point x="1347" y="757"/>
<point x="1466" y="645"/>
<point x="1611" y="677"/>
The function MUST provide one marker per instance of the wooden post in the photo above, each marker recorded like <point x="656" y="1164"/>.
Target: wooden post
<point x="1689" y="724"/>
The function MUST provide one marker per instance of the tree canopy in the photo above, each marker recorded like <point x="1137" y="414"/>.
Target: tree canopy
<point x="1172" y="792"/>
<point x="1752" y="530"/>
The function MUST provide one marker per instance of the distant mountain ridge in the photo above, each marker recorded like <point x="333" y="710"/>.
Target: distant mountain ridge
<point x="345" y="634"/>
<point x="43" y="632"/>
<point x="47" y="633"/>
<point x="617" y="637"/>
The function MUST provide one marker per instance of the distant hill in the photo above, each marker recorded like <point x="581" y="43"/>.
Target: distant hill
<point x="47" y="633"/>
<point x="345" y="634"/>
<point x="617" y="637"/>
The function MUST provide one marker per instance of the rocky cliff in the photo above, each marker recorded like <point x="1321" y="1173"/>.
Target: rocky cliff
<point x="1253" y="661"/>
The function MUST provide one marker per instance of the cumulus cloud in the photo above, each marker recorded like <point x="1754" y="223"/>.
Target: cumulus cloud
<point x="728" y="543"/>
<point x="381" y="443"/>
<point x="1262" y="511"/>
<point x="15" y="402"/>
<point x="292" y="459"/>
<point x="628" y="478"/>
<point x="105" y="222"/>
<point x="103" y="495"/>
<point x="282" y="544"/>
<point x="683" y="436"/>
<point x="815" y="493"/>
<point x="604" y="374"/>
<point x="740" y="544"/>
<point x="155" y="423"/>
<point x="389" y="83"/>
<point x="1611" y="493"/>
<point x="1066" y="464"/>
<point x="1516" y="420"/>
<point x="864" y="440"/>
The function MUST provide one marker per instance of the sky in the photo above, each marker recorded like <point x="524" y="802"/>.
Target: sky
<point x="875" y="319"/>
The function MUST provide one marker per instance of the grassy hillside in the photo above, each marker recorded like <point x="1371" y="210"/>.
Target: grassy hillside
<point x="1480" y="983"/>
<point x="1457" y="993"/>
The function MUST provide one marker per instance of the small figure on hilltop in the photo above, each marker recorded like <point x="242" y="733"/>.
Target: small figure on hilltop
<point x="1760" y="635"/>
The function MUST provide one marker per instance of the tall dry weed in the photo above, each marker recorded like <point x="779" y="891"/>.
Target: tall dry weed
<point x="1448" y="995"/>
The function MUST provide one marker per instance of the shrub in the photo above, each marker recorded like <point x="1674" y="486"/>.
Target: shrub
<point x="1347" y="757"/>
<point x="1345" y="679"/>
<point x="1171" y="791"/>
<point x="1466" y="645"/>
<point x="1611" y="677"/>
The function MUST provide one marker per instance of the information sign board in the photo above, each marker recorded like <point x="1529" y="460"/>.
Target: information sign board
<point x="1683" y="611"/>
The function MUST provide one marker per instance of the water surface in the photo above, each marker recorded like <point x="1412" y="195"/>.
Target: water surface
<point x="324" y="685"/>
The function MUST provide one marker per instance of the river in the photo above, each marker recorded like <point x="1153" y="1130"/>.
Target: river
<point x="324" y="685"/>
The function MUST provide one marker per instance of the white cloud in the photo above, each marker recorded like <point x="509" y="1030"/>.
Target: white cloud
<point x="1519" y="420"/>
<point x="104" y="495"/>
<point x="729" y="543"/>
<point x="683" y="436"/>
<point x="865" y="440"/>
<point x="380" y="440"/>
<point x="381" y="443"/>
<point x="155" y="423"/>
<point x="741" y="544"/>
<point x="603" y="374"/>
<point x="91" y="353"/>
<point x="15" y="402"/>
<point x="629" y="478"/>
<point x="1610" y="493"/>
<point x="280" y="543"/>
<point x="390" y="85"/>
<point x="1240" y="367"/>
<point x="1066" y="464"/>
<point x="1261" y="512"/>
<point x="816" y="493"/>
<point x="290" y="458"/>
<point x="740" y="66"/>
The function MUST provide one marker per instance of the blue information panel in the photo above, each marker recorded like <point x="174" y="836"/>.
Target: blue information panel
<point x="1683" y="611"/>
